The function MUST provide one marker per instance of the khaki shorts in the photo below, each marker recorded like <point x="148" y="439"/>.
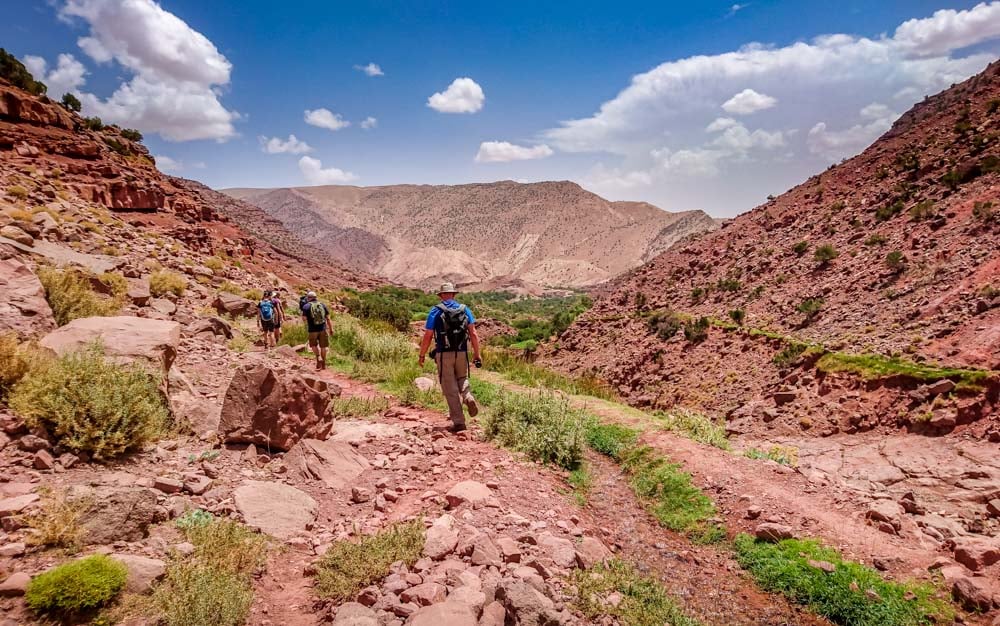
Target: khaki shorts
<point x="320" y="338"/>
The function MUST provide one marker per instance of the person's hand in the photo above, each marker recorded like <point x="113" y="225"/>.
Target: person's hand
<point x="478" y="362"/>
<point x="420" y="360"/>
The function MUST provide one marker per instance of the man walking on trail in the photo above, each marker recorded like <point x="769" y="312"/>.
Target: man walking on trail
<point x="267" y="316"/>
<point x="279" y="318"/>
<point x="317" y="317"/>
<point x="453" y="327"/>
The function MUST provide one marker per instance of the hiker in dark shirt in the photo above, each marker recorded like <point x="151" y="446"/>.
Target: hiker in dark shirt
<point x="453" y="327"/>
<point x="317" y="318"/>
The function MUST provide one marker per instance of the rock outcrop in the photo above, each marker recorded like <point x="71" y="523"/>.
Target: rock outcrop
<point x="334" y="463"/>
<point x="274" y="508"/>
<point x="23" y="309"/>
<point x="124" y="339"/>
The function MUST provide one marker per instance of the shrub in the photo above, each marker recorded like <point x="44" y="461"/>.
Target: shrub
<point x="15" y="360"/>
<point x="71" y="102"/>
<point x="789" y="355"/>
<point x="17" y="192"/>
<point x="215" y="264"/>
<point x="983" y="211"/>
<point x="810" y="307"/>
<point x="800" y="248"/>
<point x="57" y="522"/>
<point x="115" y="282"/>
<point x="540" y="425"/>
<point x="18" y="75"/>
<point x="348" y="566"/>
<point x="91" y="404"/>
<point x="887" y="211"/>
<point x="696" y="331"/>
<point x="667" y="491"/>
<point x="851" y="594"/>
<point x="77" y="586"/>
<point x="825" y="253"/>
<point x="163" y="282"/>
<point x="644" y="601"/>
<point x="992" y="107"/>
<point x="70" y="295"/>
<point x="664" y="325"/>
<point x="93" y="123"/>
<point x="738" y="315"/>
<point x="895" y="260"/>
<point x="876" y="240"/>
<point x="376" y="306"/>
<point x="698" y="294"/>
<point x="611" y="439"/>
<point x="908" y="161"/>
<point x="922" y="210"/>
<point x="117" y="146"/>
<point x="728" y="284"/>
<point x="131" y="134"/>
<point x="782" y="455"/>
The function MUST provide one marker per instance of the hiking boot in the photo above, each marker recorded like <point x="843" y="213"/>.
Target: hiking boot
<point x="471" y="404"/>
<point x="457" y="428"/>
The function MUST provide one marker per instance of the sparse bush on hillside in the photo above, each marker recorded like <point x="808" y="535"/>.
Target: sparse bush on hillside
<point x="738" y="315"/>
<point x="93" y="123"/>
<point x="887" y="211"/>
<point x="131" y="134"/>
<point x="540" y="425"/>
<point x="789" y="355"/>
<point x="922" y="210"/>
<point x="71" y="102"/>
<point x="992" y="106"/>
<point x="698" y="294"/>
<point x="91" y="404"/>
<point x="15" y="360"/>
<point x="644" y="601"/>
<point x="57" y="522"/>
<point x="728" y="284"/>
<point x="70" y="295"/>
<point x="163" y="282"/>
<point x="876" y="240"/>
<point x="895" y="260"/>
<point x="639" y="301"/>
<point x="695" y="426"/>
<point x="117" y="146"/>
<point x="347" y="567"/>
<point x="800" y="248"/>
<point x="14" y="71"/>
<point x="908" y="161"/>
<point x="75" y="587"/>
<point x="696" y="331"/>
<point x="664" y="324"/>
<point x="215" y="264"/>
<point x="983" y="211"/>
<point x="825" y="253"/>
<point x="810" y="307"/>
<point x="17" y="192"/>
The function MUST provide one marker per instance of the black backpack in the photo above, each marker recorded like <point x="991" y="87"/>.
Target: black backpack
<point x="452" y="328"/>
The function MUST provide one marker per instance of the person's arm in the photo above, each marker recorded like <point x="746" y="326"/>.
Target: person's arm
<point x="329" y="323"/>
<point x="425" y="343"/>
<point x="474" y="338"/>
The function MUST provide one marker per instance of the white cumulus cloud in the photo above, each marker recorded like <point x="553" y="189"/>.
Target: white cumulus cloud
<point x="837" y="144"/>
<point x="292" y="145"/>
<point x="371" y="69"/>
<point x="463" y="95"/>
<point x="748" y="101"/>
<point x="369" y="123"/>
<point x="949" y="30"/>
<point x="315" y="174"/>
<point x="66" y="77"/>
<point x="502" y="151"/>
<point x="324" y="118"/>
<point x="167" y="164"/>
<point x="176" y="72"/>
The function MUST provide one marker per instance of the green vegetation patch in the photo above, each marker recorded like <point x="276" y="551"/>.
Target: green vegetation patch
<point x="70" y="295"/>
<point x="874" y="366"/>
<point x="349" y="566"/>
<point x="851" y="594"/>
<point x="91" y="404"/>
<point x="668" y="493"/>
<point x="695" y="426"/>
<point x="611" y="439"/>
<point x="644" y="601"/>
<point x="783" y="455"/>
<point x="163" y="282"/>
<point x="581" y="481"/>
<point x="76" y="587"/>
<point x="541" y="425"/>
<point x="518" y="370"/>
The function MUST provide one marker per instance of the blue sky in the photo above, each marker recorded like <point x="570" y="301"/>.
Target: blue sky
<point x="684" y="104"/>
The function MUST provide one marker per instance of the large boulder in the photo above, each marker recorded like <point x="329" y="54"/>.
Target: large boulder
<point x="275" y="508"/>
<point x="23" y="308"/>
<point x="199" y="414"/>
<point x="231" y="304"/>
<point x="111" y="514"/>
<point x="125" y="339"/>
<point x="335" y="463"/>
<point x="276" y="408"/>
<point x="142" y="571"/>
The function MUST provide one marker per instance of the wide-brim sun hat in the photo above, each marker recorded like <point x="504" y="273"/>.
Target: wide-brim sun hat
<point x="447" y="288"/>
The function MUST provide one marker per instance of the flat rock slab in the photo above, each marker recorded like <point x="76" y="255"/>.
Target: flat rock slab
<point x="125" y="339"/>
<point x="357" y="431"/>
<point x="142" y="571"/>
<point x="335" y="463"/>
<point x="274" y="508"/>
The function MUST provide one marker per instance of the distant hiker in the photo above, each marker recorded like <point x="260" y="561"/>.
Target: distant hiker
<point x="317" y="317"/>
<point x="452" y="326"/>
<point x="266" y="317"/>
<point x="279" y="318"/>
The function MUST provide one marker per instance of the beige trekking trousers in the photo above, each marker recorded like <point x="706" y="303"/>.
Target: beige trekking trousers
<point x="453" y="374"/>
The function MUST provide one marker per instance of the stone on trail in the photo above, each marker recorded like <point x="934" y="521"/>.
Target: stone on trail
<point x="209" y="327"/>
<point x="276" y="408"/>
<point x="125" y="339"/>
<point x="886" y="513"/>
<point x="560" y="550"/>
<point x="13" y="506"/>
<point x="770" y="531"/>
<point x="473" y="598"/>
<point x="468" y="491"/>
<point x="444" y="614"/>
<point x="441" y="538"/>
<point x="24" y="309"/>
<point x="493" y="615"/>
<point x="275" y="508"/>
<point x="976" y="553"/>
<point x="14" y="585"/>
<point x="142" y="571"/>
<point x="354" y="614"/>
<point x="231" y="304"/>
<point x="526" y="604"/>
<point x="590" y="552"/>
<point x="974" y="594"/>
<point x="423" y="383"/>
<point x="115" y="513"/>
<point x="334" y="463"/>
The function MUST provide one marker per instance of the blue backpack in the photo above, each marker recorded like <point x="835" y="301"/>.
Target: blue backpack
<point x="266" y="310"/>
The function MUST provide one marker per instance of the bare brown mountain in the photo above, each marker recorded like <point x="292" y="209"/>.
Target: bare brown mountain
<point x="553" y="234"/>
<point x="893" y="253"/>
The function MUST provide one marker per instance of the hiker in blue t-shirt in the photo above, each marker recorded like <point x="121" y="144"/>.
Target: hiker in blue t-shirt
<point x="453" y="327"/>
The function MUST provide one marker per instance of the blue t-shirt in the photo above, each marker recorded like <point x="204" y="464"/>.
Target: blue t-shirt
<point x="435" y="314"/>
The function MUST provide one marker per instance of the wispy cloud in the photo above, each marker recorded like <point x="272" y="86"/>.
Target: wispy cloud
<point x="371" y="69"/>
<point x="325" y="118"/>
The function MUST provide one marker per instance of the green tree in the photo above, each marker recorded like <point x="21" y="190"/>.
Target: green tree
<point x="18" y="75"/>
<point x="71" y="102"/>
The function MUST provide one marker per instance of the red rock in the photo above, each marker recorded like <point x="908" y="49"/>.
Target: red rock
<point x="468" y="491"/>
<point x="167" y="485"/>
<point x="231" y="304"/>
<point x="14" y="585"/>
<point x="560" y="550"/>
<point x="276" y="408"/>
<point x="590" y="552"/>
<point x="334" y="463"/>
<point x="493" y="615"/>
<point x="355" y="614"/>
<point x="125" y="339"/>
<point x="23" y="309"/>
<point x="441" y="538"/>
<point x="510" y="549"/>
<point x="444" y="614"/>
<point x="142" y="571"/>
<point x="274" y="508"/>
<point x="973" y="594"/>
<point x="43" y="460"/>
<point x="769" y="531"/>
<point x="360" y="494"/>
<point x="424" y="594"/>
<point x="197" y="484"/>
<point x="976" y="553"/>
<point x="13" y="506"/>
